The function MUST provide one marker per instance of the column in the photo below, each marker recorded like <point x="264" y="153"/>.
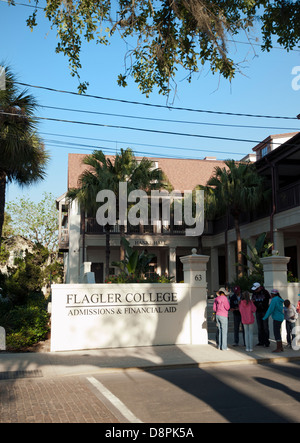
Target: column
<point x="279" y="242"/>
<point x="275" y="277"/>
<point x="231" y="257"/>
<point x="172" y="263"/>
<point x="275" y="273"/>
<point x="214" y="270"/>
<point x="194" y="268"/>
<point x="74" y="243"/>
<point x="2" y="339"/>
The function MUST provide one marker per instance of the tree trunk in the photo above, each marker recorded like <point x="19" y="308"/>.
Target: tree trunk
<point x="238" y="246"/>
<point x="122" y="249"/>
<point x="2" y="201"/>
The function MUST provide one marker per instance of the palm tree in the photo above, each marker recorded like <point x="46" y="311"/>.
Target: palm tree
<point x="104" y="174"/>
<point x="236" y="188"/>
<point x="23" y="158"/>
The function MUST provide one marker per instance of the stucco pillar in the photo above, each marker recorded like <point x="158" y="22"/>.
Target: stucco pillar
<point x="172" y="262"/>
<point x="275" y="273"/>
<point x="74" y="243"/>
<point x="275" y="277"/>
<point x="194" y="268"/>
<point x="2" y="339"/>
<point x="279" y="242"/>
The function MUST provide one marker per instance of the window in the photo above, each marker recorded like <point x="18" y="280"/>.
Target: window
<point x="264" y="151"/>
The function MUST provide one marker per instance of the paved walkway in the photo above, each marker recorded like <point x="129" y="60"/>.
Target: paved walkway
<point x="52" y="364"/>
<point x="45" y="387"/>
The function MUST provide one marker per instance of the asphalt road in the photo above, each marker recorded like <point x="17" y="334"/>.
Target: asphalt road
<point x="227" y="394"/>
<point x="219" y="394"/>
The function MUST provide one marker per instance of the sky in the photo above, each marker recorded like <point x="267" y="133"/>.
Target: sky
<point x="267" y="86"/>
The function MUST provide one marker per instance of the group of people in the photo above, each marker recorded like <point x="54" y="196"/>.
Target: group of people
<point x="245" y="308"/>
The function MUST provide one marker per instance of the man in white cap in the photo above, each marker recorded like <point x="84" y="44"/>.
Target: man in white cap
<point x="261" y="298"/>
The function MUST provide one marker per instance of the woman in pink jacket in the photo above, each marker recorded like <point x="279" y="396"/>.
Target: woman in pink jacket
<point x="221" y="308"/>
<point x="247" y="309"/>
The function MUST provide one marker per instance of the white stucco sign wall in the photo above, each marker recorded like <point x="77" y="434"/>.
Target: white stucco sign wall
<point x="91" y="316"/>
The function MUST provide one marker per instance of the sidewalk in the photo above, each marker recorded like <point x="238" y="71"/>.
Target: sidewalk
<point x="47" y="364"/>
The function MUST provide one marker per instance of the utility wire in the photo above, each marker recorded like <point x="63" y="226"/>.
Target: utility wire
<point x="165" y="147"/>
<point x="212" y="151"/>
<point x="156" y="131"/>
<point x="166" y="120"/>
<point x="155" y="105"/>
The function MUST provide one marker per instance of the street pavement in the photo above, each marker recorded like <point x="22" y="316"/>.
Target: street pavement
<point x="37" y="387"/>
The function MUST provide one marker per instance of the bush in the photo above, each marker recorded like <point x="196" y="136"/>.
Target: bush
<point x="123" y="277"/>
<point x="246" y="281"/>
<point x="24" y="325"/>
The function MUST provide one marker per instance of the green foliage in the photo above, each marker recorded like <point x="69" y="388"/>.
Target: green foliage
<point x="26" y="324"/>
<point x="4" y="254"/>
<point x="35" y="221"/>
<point x="254" y="273"/>
<point x="291" y="278"/>
<point x="30" y="275"/>
<point x="245" y="282"/>
<point x="123" y="277"/>
<point x="166" y="36"/>
<point x="259" y="250"/>
<point x="135" y="263"/>
<point x="23" y="156"/>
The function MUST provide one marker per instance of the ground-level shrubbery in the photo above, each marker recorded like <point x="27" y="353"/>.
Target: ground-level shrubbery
<point x="25" y="324"/>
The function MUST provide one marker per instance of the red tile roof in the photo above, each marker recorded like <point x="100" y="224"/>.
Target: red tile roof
<point x="184" y="174"/>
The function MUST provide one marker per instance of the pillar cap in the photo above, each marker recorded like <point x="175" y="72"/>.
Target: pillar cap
<point x="194" y="258"/>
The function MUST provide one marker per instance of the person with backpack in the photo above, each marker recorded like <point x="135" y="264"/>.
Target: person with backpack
<point x="261" y="298"/>
<point x="237" y="321"/>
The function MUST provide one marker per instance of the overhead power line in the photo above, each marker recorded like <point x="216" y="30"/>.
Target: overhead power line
<point x="156" y="131"/>
<point x="236" y="114"/>
<point x="140" y="117"/>
<point x="129" y="143"/>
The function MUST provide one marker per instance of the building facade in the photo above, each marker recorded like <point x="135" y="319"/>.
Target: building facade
<point x="277" y="158"/>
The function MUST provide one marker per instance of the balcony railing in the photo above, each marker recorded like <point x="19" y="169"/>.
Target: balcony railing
<point x="63" y="241"/>
<point x="288" y="197"/>
<point x="92" y="227"/>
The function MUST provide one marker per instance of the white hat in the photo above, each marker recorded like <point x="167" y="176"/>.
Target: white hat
<point x="255" y="286"/>
<point x="224" y="291"/>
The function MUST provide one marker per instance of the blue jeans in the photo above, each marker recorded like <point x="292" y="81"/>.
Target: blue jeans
<point x="237" y="320"/>
<point x="222" y="324"/>
<point x="249" y="336"/>
<point x="277" y="330"/>
<point x="289" y="329"/>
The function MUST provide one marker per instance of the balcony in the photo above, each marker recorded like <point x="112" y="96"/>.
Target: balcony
<point x="92" y="228"/>
<point x="63" y="240"/>
<point x="288" y="197"/>
<point x="160" y="228"/>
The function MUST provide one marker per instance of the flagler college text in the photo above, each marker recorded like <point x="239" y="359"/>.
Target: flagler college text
<point x="117" y="303"/>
